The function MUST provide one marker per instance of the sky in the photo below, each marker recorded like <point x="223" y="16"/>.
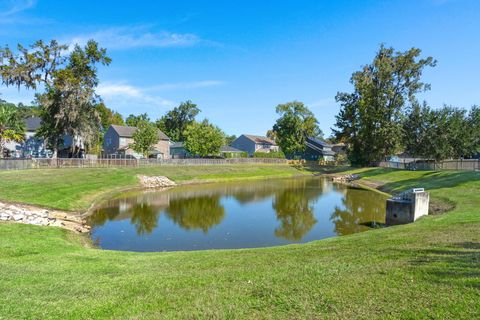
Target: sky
<point x="237" y="60"/>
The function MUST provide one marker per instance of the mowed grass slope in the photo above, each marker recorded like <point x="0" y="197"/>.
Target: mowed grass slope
<point x="426" y="270"/>
<point x="76" y="189"/>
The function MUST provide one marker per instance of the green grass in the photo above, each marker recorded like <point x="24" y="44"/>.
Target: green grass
<point x="426" y="270"/>
<point x="77" y="189"/>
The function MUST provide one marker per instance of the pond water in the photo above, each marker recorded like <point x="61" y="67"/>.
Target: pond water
<point x="235" y="215"/>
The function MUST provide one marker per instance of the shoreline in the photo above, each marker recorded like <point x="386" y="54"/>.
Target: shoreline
<point x="75" y="221"/>
<point x="24" y="213"/>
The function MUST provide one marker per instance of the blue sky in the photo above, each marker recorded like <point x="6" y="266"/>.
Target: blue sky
<point x="238" y="59"/>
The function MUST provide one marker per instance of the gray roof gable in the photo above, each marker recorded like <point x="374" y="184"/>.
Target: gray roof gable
<point x="259" y="139"/>
<point x="32" y="123"/>
<point x="127" y="132"/>
<point x="229" y="149"/>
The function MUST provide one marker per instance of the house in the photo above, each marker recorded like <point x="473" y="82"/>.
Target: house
<point x="317" y="150"/>
<point x="339" y="148"/>
<point x="231" y="152"/>
<point x="177" y="151"/>
<point x="251" y="144"/>
<point x="31" y="147"/>
<point x="117" y="141"/>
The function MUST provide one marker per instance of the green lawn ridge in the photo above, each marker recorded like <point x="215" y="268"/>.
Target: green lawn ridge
<point x="75" y="189"/>
<point x="426" y="270"/>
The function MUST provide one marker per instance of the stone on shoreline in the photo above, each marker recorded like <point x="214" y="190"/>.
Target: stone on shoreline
<point x="41" y="217"/>
<point x="346" y="178"/>
<point x="156" y="182"/>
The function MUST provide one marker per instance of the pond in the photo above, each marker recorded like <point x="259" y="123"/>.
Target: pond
<point x="235" y="215"/>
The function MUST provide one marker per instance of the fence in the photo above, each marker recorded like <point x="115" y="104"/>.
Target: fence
<point x="23" y="164"/>
<point x="461" y="164"/>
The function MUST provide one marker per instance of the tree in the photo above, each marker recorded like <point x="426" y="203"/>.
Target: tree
<point x="370" y="118"/>
<point x="133" y="120"/>
<point x="174" y="123"/>
<point x="12" y="127"/>
<point x="473" y="124"/>
<point x="108" y="116"/>
<point x="295" y="124"/>
<point x="70" y="79"/>
<point x="230" y="139"/>
<point x="145" y="137"/>
<point x="271" y="135"/>
<point x="203" y="139"/>
<point x="438" y="134"/>
<point x="415" y="125"/>
<point x="25" y="111"/>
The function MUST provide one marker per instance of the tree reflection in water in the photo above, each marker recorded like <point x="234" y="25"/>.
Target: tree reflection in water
<point x="360" y="206"/>
<point x="294" y="209"/>
<point x="264" y="212"/>
<point x="144" y="217"/>
<point x="103" y="215"/>
<point x="196" y="213"/>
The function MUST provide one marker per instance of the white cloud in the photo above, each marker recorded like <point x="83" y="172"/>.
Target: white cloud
<point x="135" y="37"/>
<point x="125" y="94"/>
<point x="12" y="7"/>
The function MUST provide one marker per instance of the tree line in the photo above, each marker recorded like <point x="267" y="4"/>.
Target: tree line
<point x="383" y="117"/>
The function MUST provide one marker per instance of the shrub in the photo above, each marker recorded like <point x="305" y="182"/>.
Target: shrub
<point x="272" y="154"/>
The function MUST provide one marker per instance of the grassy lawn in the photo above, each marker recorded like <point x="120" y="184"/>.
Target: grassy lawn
<point x="77" y="189"/>
<point x="426" y="270"/>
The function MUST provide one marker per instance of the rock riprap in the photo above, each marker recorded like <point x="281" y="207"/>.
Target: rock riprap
<point x="156" y="182"/>
<point x="42" y="217"/>
<point x="346" y="178"/>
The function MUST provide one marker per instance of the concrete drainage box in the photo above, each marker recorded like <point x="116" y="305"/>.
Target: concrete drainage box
<point x="408" y="207"/>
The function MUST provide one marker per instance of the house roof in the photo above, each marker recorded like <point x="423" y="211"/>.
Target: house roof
<point x="176" y="145"/>
<point x="259" y="139"/>
<point x="33" y="123"/>
<point x="229" y="149"/>
<point x="319" y="142"/>
<point x="127" y="132"/>
<point x="222" y="148"/>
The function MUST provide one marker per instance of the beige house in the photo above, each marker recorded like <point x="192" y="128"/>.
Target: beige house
<point x="118" y="139"/>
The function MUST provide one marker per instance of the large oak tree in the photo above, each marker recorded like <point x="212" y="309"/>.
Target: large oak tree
<point x="370" y="119"/>
<point x="68" y="77"/>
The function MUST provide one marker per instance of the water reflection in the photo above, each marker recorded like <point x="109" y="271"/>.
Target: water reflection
<point x="294" y="208"/>
<point x="359" y="207"/>
<point x="196" y="213"/>
<point x="144" y="217"/>
<point x="235" y="215"/>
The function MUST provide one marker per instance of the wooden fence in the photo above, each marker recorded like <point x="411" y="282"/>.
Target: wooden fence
<point x="23" y="164"/>
<point x="461" y="164"/>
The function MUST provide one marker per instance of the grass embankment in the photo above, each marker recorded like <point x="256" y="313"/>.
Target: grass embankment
<point x="76" y="189"/>
<point x="428" y="269"/>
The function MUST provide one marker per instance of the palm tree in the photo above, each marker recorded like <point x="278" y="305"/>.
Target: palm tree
<point x="12" y="128"/>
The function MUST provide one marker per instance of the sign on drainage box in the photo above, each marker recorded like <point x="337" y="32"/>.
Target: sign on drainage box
<point x="407" y="207"/>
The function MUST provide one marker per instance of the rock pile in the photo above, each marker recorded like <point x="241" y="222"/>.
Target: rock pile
<point x="156" y="182"/>
<point x="346" y="178"/>
<point x="41" y="217"/>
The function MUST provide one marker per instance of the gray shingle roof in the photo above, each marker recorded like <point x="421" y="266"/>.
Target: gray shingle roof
<point x="260" y="139"/>
<point x="176" y="145"/>
<point x="127" y="132"/>
<point x="229" y="149"/>
<point x="32" y="123"/>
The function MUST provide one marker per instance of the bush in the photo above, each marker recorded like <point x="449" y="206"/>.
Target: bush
<point x="271" y="154"/>
<point x="229" y="155"/>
